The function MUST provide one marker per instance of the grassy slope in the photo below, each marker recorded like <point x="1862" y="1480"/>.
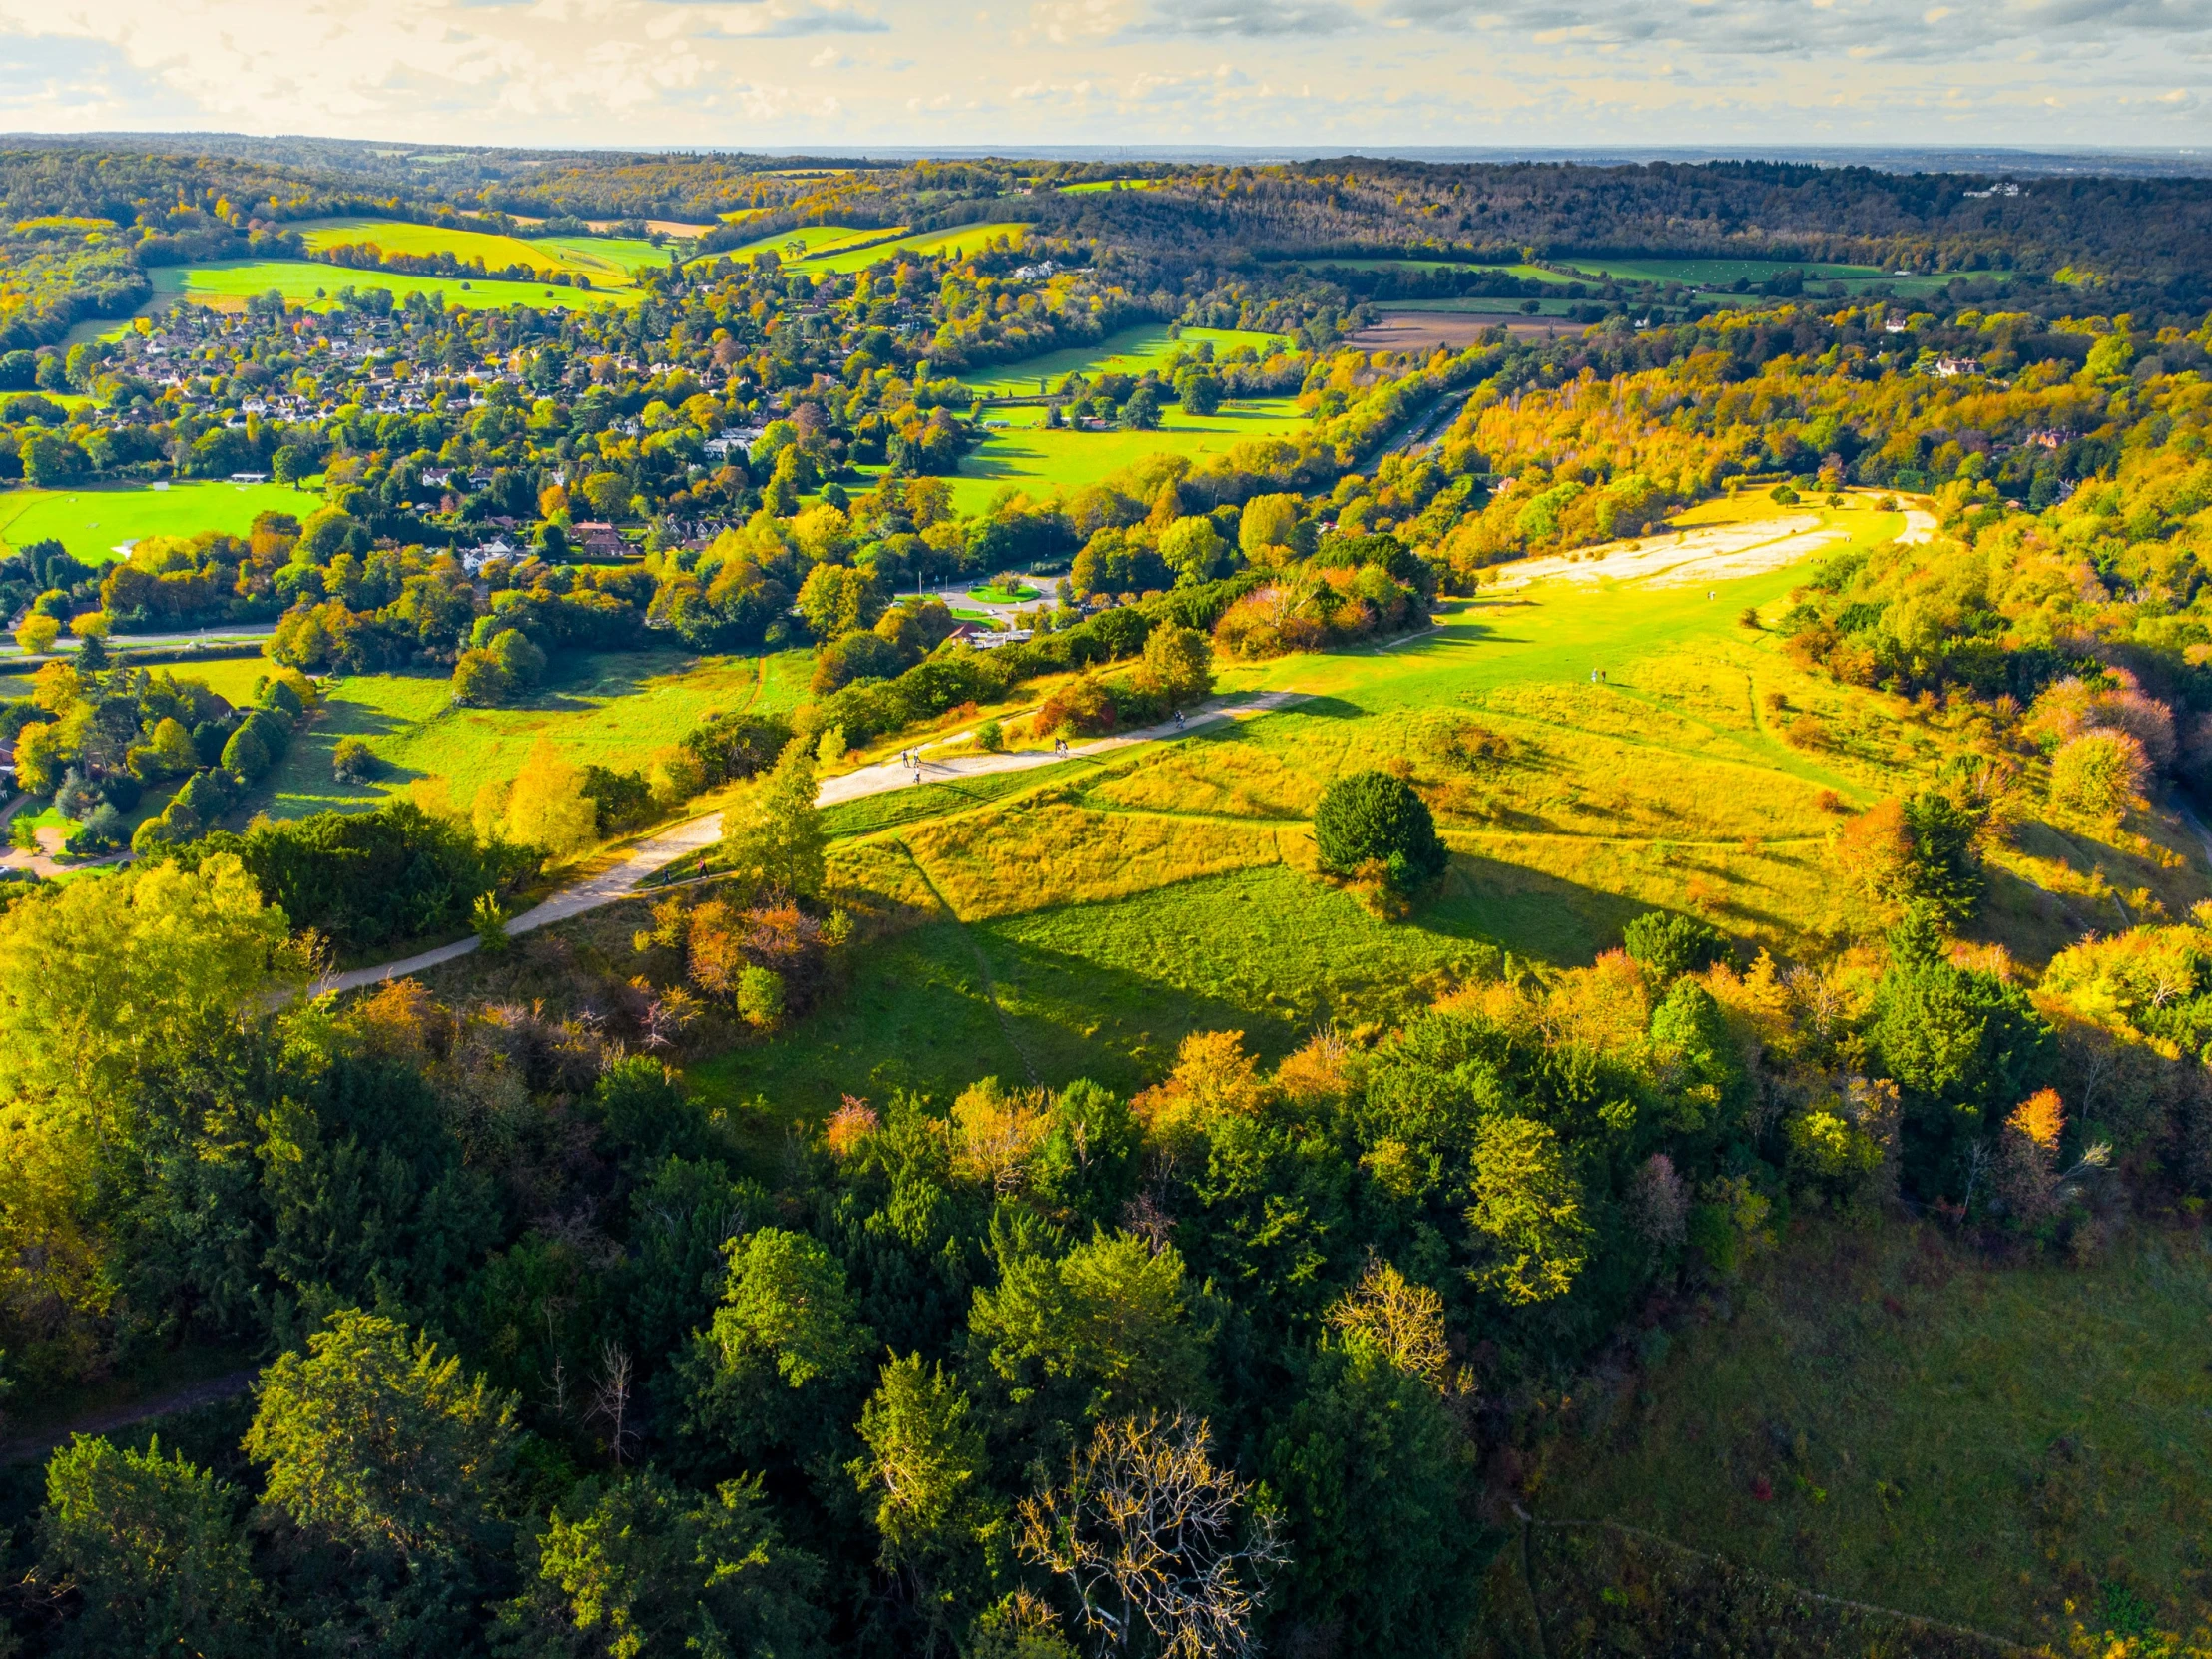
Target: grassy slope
<point x="234" y="281"/>
<point x="1030" y="457"/>
<point x="92" y="521"/>
<point x="606" y="260"/>
<point x="609" y="709"/>
<point x="1128" y="352"/>
<point x="1168" y="891"/>
<point x="1967" y="1442"/>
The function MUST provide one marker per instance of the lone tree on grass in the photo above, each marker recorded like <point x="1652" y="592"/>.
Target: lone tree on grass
<point x="1372" y="817"/>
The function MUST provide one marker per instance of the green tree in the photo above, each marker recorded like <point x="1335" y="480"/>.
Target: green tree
<point x="773" y="836"/>
<point x="1178" y="664"/>
<point x="153" y="1547"/>
<point x="1666" y="946"/>
<point x="1265" y="526"/>
<point x="784" y="1349"/>
<point x="375" y="1439"/>
<point x="1107" y="1328"/>
<point x="1369" y="817"/>
<point x="1527" y="1213"/>
<point x="633" y="1567"/>
<point x="926" y="1463"/>
<point x="1192" y="548"/>
<point x="1378" y="1489"/>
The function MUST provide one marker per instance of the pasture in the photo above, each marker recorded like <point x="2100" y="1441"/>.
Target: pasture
<point x="609" y="709"/>
<point x="94" y="521"/>
<point x="1092" y="187"/>
<point x="841" y="250"/>
<point x="607" y="260"/>
<point x="226" y="284"/>
<point x="1126" y="352"/>
<point x="1030" y="457"/>
<point x="1520" y="273"/>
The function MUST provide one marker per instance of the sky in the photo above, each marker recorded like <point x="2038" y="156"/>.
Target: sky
<point x="1328" y="74"/>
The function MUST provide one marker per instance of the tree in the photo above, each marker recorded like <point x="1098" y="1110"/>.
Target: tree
<point x="1179" y="664"/>
<point x="1153" y="1538"/>
<point x="1108" y="1327"/>
<point x="2100" y="774"/>
<point x="153" y="1547"/>
<point x="36" y="635"/>
<point x="375" y="1439"/>
<point x="547" y="807"/>
<point x="773" y="836"/>
<point x="1666" y="946"/>
<point x="635" y="1566"/>
<point x="1372" y="817"/>
<point x="837" y="599"/>
<point x="1265" y="526"/>
<point x="1192" y="549"/>
<point x="1377" y="1484"/>
<point x="925" y="1474"/>
<point x="1527" y="1212"/>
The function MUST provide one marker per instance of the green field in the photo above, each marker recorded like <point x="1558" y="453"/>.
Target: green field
<point x="228" y="284"/>
<point x="1170" y="889"/>
<point x="609" y="709"/>
<point x="1030" y="457"/>
<point x="94" y="520"/>
<point x="1128" y="352"/>
<point x="607" y="260"/>
<point x="1093" y="186"/>
<point x="1939" y="1435"/>
<point x="842" y="249"/>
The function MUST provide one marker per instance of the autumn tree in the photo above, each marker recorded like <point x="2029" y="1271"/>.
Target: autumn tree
<point x="771" y="837"/>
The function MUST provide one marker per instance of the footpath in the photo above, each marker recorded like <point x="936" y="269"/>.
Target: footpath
<point x="654" y="855"/>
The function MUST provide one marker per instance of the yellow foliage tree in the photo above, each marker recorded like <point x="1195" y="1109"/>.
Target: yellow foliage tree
<point x="547" y="806"/>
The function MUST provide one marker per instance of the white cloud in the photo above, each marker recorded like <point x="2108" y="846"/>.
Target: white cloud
<point x="1435" y="72"/>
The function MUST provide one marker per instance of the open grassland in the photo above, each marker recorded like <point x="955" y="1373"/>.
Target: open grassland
<point x="1091" y="187"/>
<point x="94" y="520"/>
<point x="1030" y="457"/>
<point x="607" y="260"/>
<point x="842" y="249"/>
<point x="226" y="284"/>
<point x="1081" y="922"/>
<point x="609" y="709"/>
<point x="1930" y="1432"/>
<point x="1721" y="272"/>
<point x="1520" y="273"/>
<point x="1128" y="352"/>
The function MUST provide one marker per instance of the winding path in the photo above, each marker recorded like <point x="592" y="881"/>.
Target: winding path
<point x="621" y="880"/>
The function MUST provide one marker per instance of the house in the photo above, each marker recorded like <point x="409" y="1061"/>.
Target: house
<point x="1951" y="368"/>
<point x="249" y="477"/>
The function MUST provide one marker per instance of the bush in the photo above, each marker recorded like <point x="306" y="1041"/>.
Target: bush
<point x="1373" y="817"/>
<point x="2101" y="773"/>
<point x="1667" y="946"/>
<point x="353" y="761"/>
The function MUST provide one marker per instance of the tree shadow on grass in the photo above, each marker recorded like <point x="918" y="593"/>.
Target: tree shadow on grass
<point x="1525" y="911"/>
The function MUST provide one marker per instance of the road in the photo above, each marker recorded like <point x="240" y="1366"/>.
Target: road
<point x="621" y="880"/>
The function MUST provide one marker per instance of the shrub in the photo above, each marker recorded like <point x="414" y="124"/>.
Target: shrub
<point x="353" y="761"/>
<point x="1373" y="817"/>
<point x="991" y="736"/>
<point x="1667" y="946"/>
<point x="761" y="996"/>
<point x="2101" y="773"/>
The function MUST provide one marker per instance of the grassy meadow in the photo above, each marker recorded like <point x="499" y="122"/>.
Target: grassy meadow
<point x="1129" y="351"/>
<point x="1028" y="455"/>
<point x="92" y="521"/>
<point x="607" y="260"/>
<point x="609" y="709"/>
<point x="1969" y="1442"/>
<point x="226" y="284"/>
<point x="842" y="249"/>
<point x="1081" y="922"/>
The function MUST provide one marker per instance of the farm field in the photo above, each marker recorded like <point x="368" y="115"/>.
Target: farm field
<point x="92" y="521"/>
<point x="607" y="260"/>
<point x="1968" y="1441"/>
<point x="1520" y="273"/>
<point x="1030" y="456"/>
<point x="228" y="284"/>
<point x="609" y="709"/>
<point x="842" y="249"/>
<point x="1092" y="187"/>
<point x="1128" y="352"/>
<point x="1111" y="910"/>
